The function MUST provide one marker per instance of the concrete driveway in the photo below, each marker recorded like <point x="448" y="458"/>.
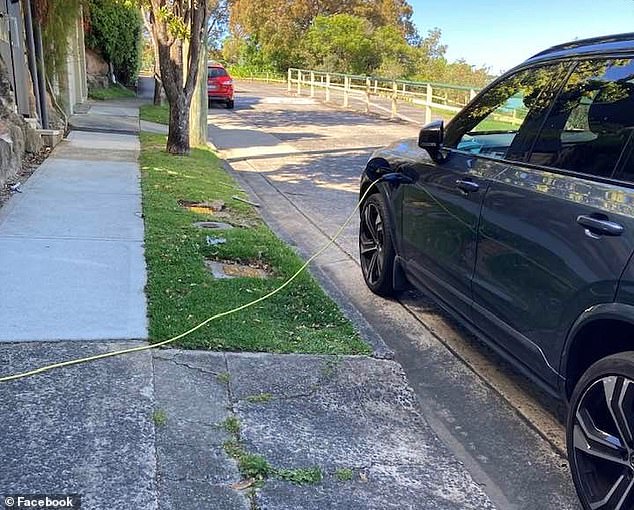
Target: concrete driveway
<point x="302" y="161"/>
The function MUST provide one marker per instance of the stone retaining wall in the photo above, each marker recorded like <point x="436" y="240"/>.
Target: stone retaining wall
<point x="16" y="136"/>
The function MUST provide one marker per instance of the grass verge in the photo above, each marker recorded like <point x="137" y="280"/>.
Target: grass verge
<point x="155" y="113"/>
<point x="114" y="91"/>
<point x="182" y="293"/>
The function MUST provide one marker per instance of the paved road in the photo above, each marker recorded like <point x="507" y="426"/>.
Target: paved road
<point x="303" y="160"/>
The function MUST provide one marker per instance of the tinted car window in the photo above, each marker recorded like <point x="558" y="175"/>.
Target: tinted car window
<point x="591" y="120"/>
<point x="216" y="72"/>
<point x="490" y="126"/>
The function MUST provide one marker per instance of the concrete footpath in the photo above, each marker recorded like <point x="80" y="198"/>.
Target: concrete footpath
<point x="71" y="244"/>
<point x="149" y="430"/>
<point x="72" y="275"/>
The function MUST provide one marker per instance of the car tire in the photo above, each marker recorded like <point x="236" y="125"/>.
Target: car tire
<point x="600" y="434"/>
<point x="230" y="104"/>
<point x="376" y="248"/>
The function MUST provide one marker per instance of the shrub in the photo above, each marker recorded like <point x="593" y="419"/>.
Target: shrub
<point x="114" y="31"/>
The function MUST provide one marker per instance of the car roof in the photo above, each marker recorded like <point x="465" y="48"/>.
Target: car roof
<point x="215" y="64"/>
<point x="609" y="44"/>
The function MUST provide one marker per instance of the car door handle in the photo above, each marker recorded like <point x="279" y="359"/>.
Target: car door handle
<point x="600" y="226"/>
<point x="467" y="186"/>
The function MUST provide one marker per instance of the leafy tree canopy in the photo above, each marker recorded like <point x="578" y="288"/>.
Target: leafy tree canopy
<point x="351" y="36"/>
<point x="114" y="30"/>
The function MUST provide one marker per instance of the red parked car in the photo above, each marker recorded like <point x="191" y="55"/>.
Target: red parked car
<point x="219" y="85"/>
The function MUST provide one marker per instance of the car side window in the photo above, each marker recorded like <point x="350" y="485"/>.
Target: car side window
<point x="591" y="120"/>
<point x="490" y="126"/>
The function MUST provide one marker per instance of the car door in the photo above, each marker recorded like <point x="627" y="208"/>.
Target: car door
<point x="557" y="230"/>
<point x="441" y="208"/>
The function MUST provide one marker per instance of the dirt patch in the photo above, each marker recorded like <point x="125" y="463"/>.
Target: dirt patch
<point x="30" y="163"/>
<point x="229" y="269"/>
<point x="212" y="207"/>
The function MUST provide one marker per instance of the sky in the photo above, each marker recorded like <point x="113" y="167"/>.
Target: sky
<point x="502" y="33"/>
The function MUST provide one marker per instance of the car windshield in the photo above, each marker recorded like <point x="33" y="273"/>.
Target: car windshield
<point x="217" y="72"/>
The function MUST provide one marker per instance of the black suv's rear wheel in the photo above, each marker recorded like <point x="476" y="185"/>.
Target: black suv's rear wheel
<point x="375" y="246"/>
<point x="600" y="434"/>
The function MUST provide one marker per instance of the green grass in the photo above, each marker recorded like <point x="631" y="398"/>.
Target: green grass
<point x="250" y="465"/>
<point x="182" y="293"/>
<point x="260" y="398"/>
<point x="114" y="91"/>
<point x="232" y="425"/>
<point x="155" y="113"/>
<point x="159" y="417"/>
<point x="223" y="377"/>
<point x="344" y="474"/>
<point x="301" y="476"/>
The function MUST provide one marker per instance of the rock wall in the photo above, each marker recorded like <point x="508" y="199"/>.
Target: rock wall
<point x="16" y="136"/>
<point x="97" y="70"/>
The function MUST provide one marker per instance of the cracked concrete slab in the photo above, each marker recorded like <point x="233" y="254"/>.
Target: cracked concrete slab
<point x="193" y="469"/>
<point x="300" y="411"/>
<point x="346" y="412"/>
<point x="85" y="429"/>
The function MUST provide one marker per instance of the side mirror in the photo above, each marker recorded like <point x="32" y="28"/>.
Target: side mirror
<point x="431" y="138"/>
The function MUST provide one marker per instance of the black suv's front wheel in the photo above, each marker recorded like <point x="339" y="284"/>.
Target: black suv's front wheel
<point x="600" y="434"/>
<point x="375" y="246"/>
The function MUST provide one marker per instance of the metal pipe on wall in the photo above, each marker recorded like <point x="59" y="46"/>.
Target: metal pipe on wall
<point x="41" y="72"/>
<point x="30" y="55"/>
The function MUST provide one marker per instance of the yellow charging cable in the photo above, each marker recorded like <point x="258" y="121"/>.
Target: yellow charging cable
<point x="140" y="348"/>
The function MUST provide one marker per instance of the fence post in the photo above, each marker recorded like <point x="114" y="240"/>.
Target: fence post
<point x="428" y="102"/>
<point x="472" y="94"/>
<point x="346" y="84"/>
<point x="290" y="79"/>
<point x="376" y="86"/>
<point x="299" y="82"/>
<point x="327" y="87"/>
<point x="394" y="94"/>
<point x="312" y="84"/>
<point x="267" y="77"/>
<point x="367" y="95"/>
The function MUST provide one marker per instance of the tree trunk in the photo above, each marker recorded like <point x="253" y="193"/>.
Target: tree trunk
<point x="199" y="102"/>
<point x="158" y="88"/>
<point x="179" y="78"/>
<point x="178" y="135"/>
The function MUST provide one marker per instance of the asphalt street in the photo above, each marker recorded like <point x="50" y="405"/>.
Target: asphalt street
<point x="302" y="161"/>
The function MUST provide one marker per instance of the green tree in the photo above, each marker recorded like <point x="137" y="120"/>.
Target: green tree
<point x="342" y="43"/>
<point x="179" y="30"/>
<point x="276" y="28"/>
<point x="114" y="30"/>
<point x="397" y="57"/>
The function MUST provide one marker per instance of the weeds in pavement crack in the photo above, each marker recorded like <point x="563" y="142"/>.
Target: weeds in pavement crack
<point x="223" y="377"/>
<point x="344" y="474"/>
<point x="257" y="468"/>
<point x="159" y="416"/>
<point x="260" y="398"/>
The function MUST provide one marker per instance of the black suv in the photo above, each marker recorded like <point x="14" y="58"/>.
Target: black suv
<point x="518" y="217"/>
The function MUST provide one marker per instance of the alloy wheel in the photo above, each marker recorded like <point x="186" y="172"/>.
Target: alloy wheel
<point x="372" y="243"/>
<point x="603" y="444"/>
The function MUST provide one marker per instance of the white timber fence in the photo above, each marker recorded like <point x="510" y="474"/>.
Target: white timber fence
<point x="438" y="100"/>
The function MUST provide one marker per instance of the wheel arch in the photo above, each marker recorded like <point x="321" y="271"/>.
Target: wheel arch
<point x="374" y="169"/>
<point x="599" y="332"/>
